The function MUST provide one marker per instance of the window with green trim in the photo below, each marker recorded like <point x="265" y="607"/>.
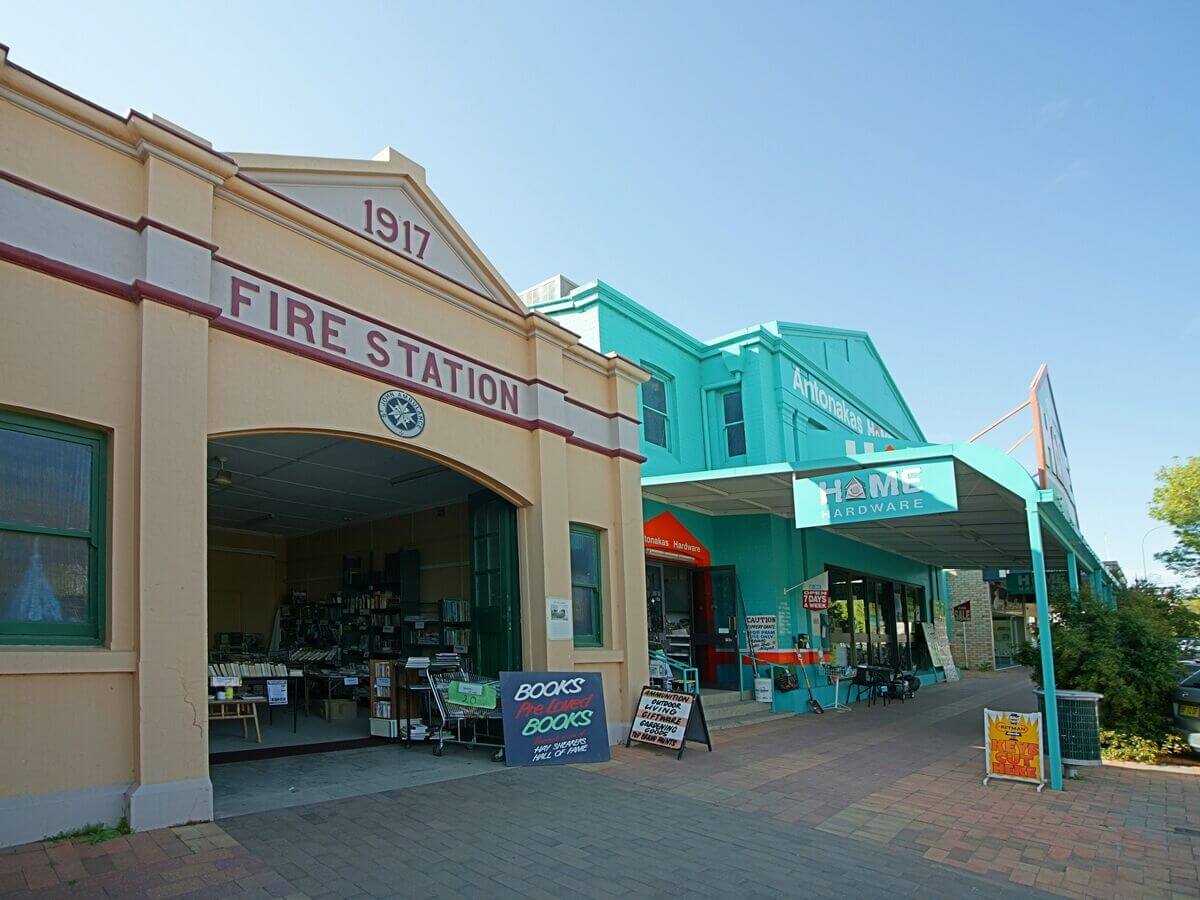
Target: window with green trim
<point x="52" y="524"/>
<point x="735" y="423"/>
<point x="656" y="421"/>
<point x="586" y="595"/>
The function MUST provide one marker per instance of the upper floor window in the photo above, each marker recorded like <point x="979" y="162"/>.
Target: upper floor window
<point x="52" y="492"/>
<point x="735" y="423"/>
<point x="655" y="419"/>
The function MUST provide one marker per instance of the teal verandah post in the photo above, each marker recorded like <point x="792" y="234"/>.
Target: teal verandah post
<point x="1046" y="648"/>
<point x="1073" y="574"/>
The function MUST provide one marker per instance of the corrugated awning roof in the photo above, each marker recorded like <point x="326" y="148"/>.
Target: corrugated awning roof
<point x="989" y="529"/>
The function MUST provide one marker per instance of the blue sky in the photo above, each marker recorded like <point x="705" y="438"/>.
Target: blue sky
<point x="981" y="187"/>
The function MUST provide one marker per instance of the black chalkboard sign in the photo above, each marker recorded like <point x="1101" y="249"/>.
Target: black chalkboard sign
<point x="668" y="719"/>
<point x="553" y="718"/>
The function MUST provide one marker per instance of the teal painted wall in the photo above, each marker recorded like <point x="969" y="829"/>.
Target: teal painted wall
<point x="768" y="552"/>
<point x="760" y="361"/>
<point x="771" y="556"/>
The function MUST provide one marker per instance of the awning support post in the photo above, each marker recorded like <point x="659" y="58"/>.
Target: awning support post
<point x="1073" y="575"/>
<point x="1046" y="648"/>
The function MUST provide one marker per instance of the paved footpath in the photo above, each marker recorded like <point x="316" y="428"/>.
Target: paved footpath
<point x="880" y="802"/>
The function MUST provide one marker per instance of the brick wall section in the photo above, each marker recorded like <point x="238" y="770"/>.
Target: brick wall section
<point x="978" y="651"/>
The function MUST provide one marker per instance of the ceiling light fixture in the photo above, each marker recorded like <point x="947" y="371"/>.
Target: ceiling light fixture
<point x="420" y="473"/>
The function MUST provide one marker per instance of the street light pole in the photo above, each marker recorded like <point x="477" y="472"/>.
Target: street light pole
<point x="1145" y="569"/>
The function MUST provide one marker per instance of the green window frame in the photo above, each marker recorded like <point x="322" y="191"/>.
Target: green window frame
<point x="656" y="418"/>
<point x="587" y="593"/>
<point x="733" y="415"/>
<point x="89" y="629"/>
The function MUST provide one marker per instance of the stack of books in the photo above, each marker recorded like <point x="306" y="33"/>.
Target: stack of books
<point x="248" y="670"/>
<point x="413" y="729"/>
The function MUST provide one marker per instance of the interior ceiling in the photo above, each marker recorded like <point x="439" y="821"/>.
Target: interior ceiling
<point x="296" y="484"/>
<point x="989" y="530"/>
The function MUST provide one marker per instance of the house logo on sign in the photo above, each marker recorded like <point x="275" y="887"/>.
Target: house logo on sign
<point x="883" y="492"/>
<point x="401" y="413"/>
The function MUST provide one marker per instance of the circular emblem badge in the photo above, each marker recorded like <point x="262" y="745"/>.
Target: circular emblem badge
<point x="401" y="413"/>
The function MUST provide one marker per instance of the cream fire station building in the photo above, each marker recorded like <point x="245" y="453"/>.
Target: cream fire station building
<point x="233" y="386"/>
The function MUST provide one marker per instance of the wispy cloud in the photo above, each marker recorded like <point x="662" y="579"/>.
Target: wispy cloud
<point x="1052" y="111"/>
<point x="1076" y="170"/>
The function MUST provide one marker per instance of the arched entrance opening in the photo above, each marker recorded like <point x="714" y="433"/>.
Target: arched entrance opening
<point x="332" y="560"/>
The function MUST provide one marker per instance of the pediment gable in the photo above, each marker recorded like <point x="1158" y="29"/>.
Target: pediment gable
<point x="846" y="366"/>
<point x="386" y="201"/>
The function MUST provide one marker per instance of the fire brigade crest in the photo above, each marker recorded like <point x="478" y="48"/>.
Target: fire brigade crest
<point x="401" y="413"/>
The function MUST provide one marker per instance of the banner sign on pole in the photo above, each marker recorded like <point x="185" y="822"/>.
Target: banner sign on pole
<point x="962" y="611"/>
<point x="761" y="633"/>
<point x="668" y="719"/>
<point x="815" y="592"/>
<point x="1019" y="584"/>
<point x="870" y="494"/>
<point x="1012" y="746"/>
<point x="553" y="718"/>
<point x="277" y="694"/>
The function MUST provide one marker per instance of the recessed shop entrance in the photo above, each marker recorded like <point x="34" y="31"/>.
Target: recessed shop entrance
<point x="337" y="568"/>
<point x="692" y="617"/>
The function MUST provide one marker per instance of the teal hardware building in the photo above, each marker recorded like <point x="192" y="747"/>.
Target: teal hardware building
<point x="785" y="452"/>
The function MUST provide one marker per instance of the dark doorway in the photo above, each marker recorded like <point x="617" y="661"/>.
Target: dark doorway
<point x="495" y="585"/>
<point x="714" y="599"/>
<point x="692" y="616"/>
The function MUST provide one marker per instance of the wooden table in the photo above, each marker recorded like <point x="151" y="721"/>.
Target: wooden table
<point x="244" y="708"/>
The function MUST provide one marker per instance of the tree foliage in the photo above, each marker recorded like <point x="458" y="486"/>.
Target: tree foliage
<point x="1129" y="653"/>
<point x="1176" y="501"/>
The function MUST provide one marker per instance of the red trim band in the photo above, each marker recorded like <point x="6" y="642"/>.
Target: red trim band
<point x="380" y="322"/>
<point x="65" y="271"/>
<point x="600" y="412"/>
<point x="261" y="337"/>
<point x="174" y="130"/>
<point x="144" y="290"/>
<point x="146" y="222"/>
<point x="69" y="201"/>
<point x="139" y="226"/>
<point x="605" y="451"/>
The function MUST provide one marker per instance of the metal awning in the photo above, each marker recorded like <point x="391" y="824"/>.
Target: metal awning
<point x="989" y="529"/>
<point x="1002" y="520"/>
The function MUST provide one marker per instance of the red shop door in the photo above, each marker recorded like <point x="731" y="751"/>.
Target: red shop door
<point x="714" y="626"/>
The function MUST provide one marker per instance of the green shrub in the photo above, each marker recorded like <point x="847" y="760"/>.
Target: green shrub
<point x="1128" y="653"/>
<point x="1130" y="747"/>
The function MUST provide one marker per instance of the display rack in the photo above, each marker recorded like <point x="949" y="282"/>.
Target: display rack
<point x="384" y="698"/>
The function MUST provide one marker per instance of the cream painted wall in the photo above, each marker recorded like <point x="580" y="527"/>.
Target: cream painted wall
<point x="329" y="272"/>
<point x="439" y="535"/>
<point x="143" y="365"/>
<point x="245" y="582"/>
<point x="65" y="731"/>
<point x="44" y="152"/>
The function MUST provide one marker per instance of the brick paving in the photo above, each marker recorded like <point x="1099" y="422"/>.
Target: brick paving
<point x="880" y="802"/>
<point x="909" y="776"/>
